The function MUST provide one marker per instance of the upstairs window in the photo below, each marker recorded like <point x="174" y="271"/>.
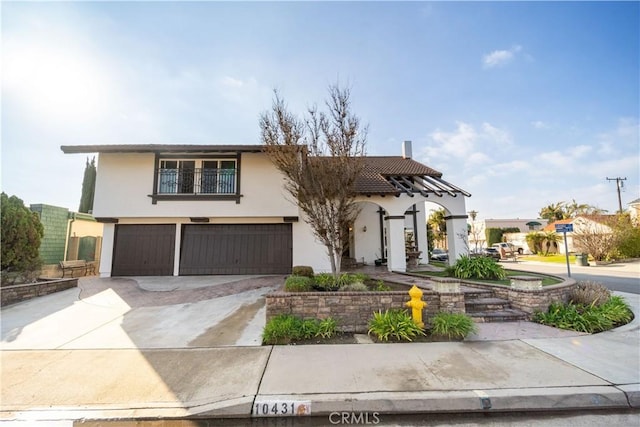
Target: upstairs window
<point x="197" y="176"/>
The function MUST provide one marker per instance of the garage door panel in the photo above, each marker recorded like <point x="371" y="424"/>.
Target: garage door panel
<point x="236" y="249"/>
<point x="143" y="250"/>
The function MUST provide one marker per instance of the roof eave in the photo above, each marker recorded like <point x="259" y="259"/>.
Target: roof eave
<point x="159" y="148"/>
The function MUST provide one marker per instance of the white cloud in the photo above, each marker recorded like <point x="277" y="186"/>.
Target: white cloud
<point x="478" y="159"/>
<point x="499" y="58"/>
<point x="580" y="150"/>
<point x="495" y="134"/>
<point x="461" y="143"/>
<point x="458" y="143"/>
<point x="232" y="82"/>
<point x="538" y="124"/>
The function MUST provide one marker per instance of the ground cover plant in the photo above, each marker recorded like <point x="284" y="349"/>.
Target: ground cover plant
<point x="395" y="325"/>
<point x="303" y="280"/>
<point x="452" y="325"/>
<point x="285" y="328"/>
<point x="591" y="309"/>
<point x="483" y="268"/>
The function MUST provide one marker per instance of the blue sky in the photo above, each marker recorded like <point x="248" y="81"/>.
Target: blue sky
<point x="522" y="104"/>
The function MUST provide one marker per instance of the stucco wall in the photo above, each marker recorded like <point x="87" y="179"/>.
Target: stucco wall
<point x="125" y="181"/>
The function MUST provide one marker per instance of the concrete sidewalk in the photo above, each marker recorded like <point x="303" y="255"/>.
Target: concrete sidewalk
<point x="523" y="374"/>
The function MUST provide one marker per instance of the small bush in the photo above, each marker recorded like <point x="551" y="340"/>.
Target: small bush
<point x="588" y="293"/>
<point x="590" y="318"/>
<point x="617" y="310"/>
<point x="298" y="284"/>
<point x="380" y="286"/>
<point x="478" y="268"/>
<point x="281" y="329"/>
<point x="452" y="325"/>
<point x="307" y="328"/>
<point x="394" y="324"/>
<point x="327" y="328"/>
<point x="325" y="282"/>
<point x="355" y="287"/>
<point x="285" y="328"/>
<point x="303" y="270"/>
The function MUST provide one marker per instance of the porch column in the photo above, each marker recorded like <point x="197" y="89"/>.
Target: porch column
<point x="396" y="257"/>
<point x="421" y="233"/>
<point x="457" y="237"/>
<point x="106" y="255"/>
<point x="176" y="253"/>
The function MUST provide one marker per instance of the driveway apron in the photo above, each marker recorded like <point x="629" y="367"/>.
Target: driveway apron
<point x="144" y="312"/>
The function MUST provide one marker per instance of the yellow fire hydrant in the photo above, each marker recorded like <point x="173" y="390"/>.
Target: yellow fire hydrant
<point x="416" y="304"/>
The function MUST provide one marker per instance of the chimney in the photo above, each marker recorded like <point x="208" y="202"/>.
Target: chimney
<point x="406" y="150"/>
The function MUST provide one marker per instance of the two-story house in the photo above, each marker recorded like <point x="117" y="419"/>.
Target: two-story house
<point x="222" y="209"/>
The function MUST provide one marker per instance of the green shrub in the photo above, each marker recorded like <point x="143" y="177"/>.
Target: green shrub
<point x="302" y="270"/>
<point x="380" y="286"/>
<point x="325" y="282"/>
<point x="307" y="328"/>
<point x="285" y="328"/>
<point x="478" y="268"/>
<point x="617" y="310"/>
<point x="355" y="287"/>
<point x="21" y="232"/>
<point x="588" y="293"/>
<point x="452" y="325"/>
<point x="394" y="324"/>
<point x="298" y="284"/>
<point x="327" y="328"/>
<point x="281" y="329"/>
<point x="590" y="318"/>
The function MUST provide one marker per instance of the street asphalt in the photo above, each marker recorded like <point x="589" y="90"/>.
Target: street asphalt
<point x="147" y="348"/>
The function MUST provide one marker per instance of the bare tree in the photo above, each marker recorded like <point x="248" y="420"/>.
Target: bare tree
<point x="320" y="156"/>
<point x="596" y="239"/>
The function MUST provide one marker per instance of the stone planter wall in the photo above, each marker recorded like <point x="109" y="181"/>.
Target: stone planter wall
<point x="353" y="310"/>
<point x="17" y="293"/>
<point x="530" y="301"/>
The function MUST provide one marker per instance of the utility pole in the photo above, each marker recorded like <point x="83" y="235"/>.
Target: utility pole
<point x="619" y="185"/>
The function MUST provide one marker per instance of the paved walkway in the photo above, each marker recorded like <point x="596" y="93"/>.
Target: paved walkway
<point x="520" y="373"/>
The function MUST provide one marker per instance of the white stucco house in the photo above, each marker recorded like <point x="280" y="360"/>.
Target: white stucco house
<point x="589" y="224"/>
<point x="222" y="209"/>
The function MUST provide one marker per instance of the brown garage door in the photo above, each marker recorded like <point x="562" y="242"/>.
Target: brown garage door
<point x="144" y="250"/>
<point x="236" y="249"/>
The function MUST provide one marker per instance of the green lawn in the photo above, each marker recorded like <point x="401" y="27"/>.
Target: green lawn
<point x="554" y="258"/>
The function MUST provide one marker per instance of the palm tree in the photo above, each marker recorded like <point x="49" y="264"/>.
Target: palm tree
<point x="438" y="224"/>
<point x="553" y="212"/>
<point x="534" y="241"/>
<point x="550" y="237"/>
<point x="574" y="209"/>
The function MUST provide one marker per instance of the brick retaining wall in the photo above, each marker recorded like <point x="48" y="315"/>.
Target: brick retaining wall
<point x="353" y="310"/>
<point x="17" y="293"/>
<point x="533" y="300"/>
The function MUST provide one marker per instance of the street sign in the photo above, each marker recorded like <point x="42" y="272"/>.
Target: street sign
<point x="564" y="228"/>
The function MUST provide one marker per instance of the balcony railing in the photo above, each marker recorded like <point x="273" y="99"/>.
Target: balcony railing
<point x="197" y="181"/>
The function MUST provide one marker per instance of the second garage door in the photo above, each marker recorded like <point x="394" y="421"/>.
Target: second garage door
<point x="236" y="249"/>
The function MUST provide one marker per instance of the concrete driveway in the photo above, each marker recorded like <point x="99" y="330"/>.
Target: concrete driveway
<point x="142" y="312"/>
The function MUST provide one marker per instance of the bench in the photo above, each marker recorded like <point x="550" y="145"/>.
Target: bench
<point x="79" y="264"/>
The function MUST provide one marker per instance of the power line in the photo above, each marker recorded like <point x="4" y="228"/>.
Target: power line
<point x="619" y="185"/>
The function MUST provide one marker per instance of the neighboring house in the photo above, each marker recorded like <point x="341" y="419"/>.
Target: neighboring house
<point x="67" y="235"/>
<point x="581" y="224"/>
<point x="477" y="235"/>
<point x="634" y="210"/>
<point x="223" y="209"/>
